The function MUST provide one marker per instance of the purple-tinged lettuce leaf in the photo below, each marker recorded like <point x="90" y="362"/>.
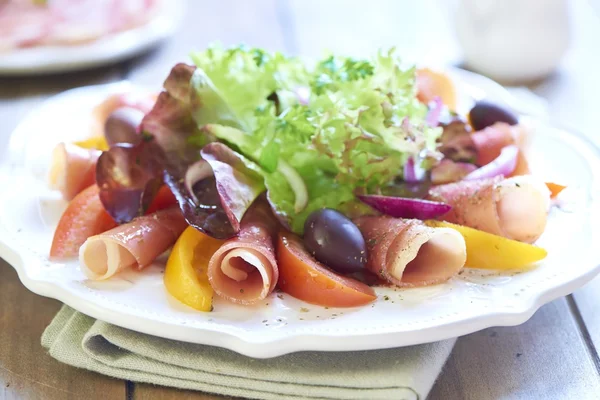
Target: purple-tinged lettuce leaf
<point x="217" y="190"/>
<point x="129" y="177"/>
<point x="171" y="124"/>
<point x="122" y="126"/>
<point x="238" y="180"/>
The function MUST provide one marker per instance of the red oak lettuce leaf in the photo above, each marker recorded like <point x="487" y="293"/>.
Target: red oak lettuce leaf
<point x="238" y="180"/>
<point x="214" y="192"/>
<point x="129" y="177"/>
<point x="171" y="124"/>
<point x="217" y="190"/>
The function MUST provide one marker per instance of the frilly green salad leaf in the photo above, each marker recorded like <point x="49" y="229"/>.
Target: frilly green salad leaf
<point x="354" y="133"/>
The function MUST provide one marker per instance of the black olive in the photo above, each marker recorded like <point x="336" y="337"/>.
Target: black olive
<point x="334" y="240"/>
<point x="485" y="113"/>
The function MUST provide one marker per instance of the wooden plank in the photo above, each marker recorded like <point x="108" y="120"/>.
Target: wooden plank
<point x="230" y="22"/>
<point x="26" y="371"/>
<point x="544" y="358"/>
<point x="586" y="307"/>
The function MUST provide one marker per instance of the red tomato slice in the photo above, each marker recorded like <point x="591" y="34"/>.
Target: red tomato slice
<point x="84" y="217"/>
<point x="301" y="276"/>
<point x="164" y="199"/>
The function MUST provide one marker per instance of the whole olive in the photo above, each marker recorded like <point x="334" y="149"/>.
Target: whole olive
<point x="333" y="239"/>
<point x="485" y="113"/>
<point x="121" y="126"/>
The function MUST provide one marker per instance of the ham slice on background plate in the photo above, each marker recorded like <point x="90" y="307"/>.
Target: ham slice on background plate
<point x="407" y="253"/>
<point x="515" y="208"/>
<point x="244" y="270"/>
<point x="29" y="23"/>
<point x="135" y="244"/>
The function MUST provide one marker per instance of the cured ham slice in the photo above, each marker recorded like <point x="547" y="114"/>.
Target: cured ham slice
<point x="73" y="169"/>
<point x="29" y="23"/>
<point x="515" y="208"/>
<point x="490" y="141"/>
<point x="408" y="253"/>
<point x="135" y="244"/>
<point x="244" y="270"/>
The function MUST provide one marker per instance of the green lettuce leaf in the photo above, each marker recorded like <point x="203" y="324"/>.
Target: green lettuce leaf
<point x="243" y="79"/>
<point x="360" y="126"/>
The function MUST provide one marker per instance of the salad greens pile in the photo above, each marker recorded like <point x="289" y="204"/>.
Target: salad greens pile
<point x="317" y="135"/>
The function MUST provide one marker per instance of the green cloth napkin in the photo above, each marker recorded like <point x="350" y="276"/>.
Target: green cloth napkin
<point x="402" y="373"/>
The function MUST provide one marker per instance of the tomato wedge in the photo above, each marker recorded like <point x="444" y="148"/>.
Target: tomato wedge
<point x="301" y="276"/>
<point x="84" y="217"/>
<point x="164" y="199"/>
<point x="431" y="84"/>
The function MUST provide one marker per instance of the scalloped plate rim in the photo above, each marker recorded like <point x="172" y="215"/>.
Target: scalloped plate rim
<point x="497" y="316"/>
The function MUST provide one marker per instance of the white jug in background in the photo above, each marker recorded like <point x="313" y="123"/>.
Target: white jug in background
<point x="512" y="40"/>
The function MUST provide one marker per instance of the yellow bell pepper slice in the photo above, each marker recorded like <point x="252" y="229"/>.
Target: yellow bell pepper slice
<point x="186" y="276"/>
<point x="487" y="251"/>
<point x="95" y="142"/>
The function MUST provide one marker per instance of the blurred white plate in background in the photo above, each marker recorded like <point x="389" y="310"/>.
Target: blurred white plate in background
<point x="105" y="50"/>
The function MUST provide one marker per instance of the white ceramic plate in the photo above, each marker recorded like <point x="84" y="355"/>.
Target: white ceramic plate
<point x="281" y="324"/>
<point x="109" y="49"/>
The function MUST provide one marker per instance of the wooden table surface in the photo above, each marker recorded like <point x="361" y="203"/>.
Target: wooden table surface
<point x="552" y="356"/>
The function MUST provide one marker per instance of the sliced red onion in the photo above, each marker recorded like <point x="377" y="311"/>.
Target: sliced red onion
<point x="413" y="172"/>
<point x="435" y="111"/>
<point x="504" y="164"/>
<point x="409" y="171"/>
<point x="401" y="207"/>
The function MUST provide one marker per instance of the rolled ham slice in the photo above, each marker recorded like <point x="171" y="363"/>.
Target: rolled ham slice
<point x="490" y="141"/>
<point x="515" y="208"/>
<point x="407" y="253"/>
<point x="244" y="270"/>
<point x="132" y="245"/>
<point x="73" y="169"/>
